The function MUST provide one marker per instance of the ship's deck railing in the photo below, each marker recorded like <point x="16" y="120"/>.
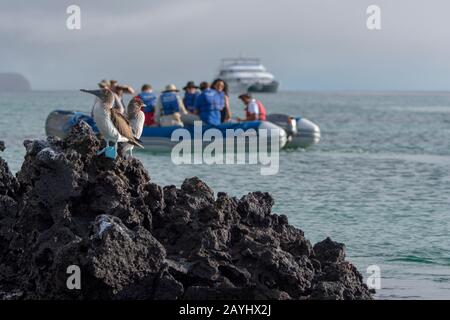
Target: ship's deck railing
<point x="240" y="61"/>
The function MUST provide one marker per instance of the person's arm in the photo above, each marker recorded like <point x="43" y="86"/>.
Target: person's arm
<point x="181" y="105"/>
<point x="227" y="109"/>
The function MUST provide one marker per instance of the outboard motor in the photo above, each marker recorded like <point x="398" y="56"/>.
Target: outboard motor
<point x="301" y="132"/>
<point x="308" y="133"/>
<point x="291" y="128"/>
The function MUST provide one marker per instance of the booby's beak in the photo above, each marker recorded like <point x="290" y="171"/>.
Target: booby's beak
<point x="99" y="93"/>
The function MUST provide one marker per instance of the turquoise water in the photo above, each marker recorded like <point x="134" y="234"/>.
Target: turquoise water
<point x="379" y="181"/>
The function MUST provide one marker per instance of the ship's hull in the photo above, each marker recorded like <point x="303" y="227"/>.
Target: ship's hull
<point x="236" y="87"/>
<point x="265" y="88"/>
<point x="247" y="75"/>
<point x="257" y="87"/>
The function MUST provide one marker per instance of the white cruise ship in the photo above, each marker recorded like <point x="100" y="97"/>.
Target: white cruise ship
<point x="247" y="74"/>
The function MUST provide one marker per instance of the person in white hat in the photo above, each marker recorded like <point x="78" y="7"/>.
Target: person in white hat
<point x="169" y="108"/>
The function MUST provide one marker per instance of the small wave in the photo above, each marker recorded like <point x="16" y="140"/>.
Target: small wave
<point x="440" y="159"/>
<point x="422" y="109"/>
<point x="414" y="259"/>
<point x="441" y="279"/>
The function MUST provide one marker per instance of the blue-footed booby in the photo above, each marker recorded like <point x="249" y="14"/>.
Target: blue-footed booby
<point x="113" y="126"/>
<point x="137" y="119"/>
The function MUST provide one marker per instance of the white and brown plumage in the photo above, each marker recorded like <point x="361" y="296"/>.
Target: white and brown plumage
<point x="136" y="119"/>
<point x="124" y="128"/>
<point x="113" y="126"/>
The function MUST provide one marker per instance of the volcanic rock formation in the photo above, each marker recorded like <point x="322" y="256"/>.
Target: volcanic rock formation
<point x="132" y="239"/>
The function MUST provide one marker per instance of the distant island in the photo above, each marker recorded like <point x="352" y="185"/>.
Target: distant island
<point x="13" y="82"/>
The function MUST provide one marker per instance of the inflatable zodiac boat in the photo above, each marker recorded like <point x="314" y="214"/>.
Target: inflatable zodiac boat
<point x="280" y="130"/>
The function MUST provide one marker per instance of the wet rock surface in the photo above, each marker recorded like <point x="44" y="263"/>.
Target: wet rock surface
<point x="132" y="239"/>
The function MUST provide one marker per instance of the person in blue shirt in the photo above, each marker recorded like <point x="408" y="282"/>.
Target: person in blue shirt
<point x="191" y="93"/>
<point x="222" y="99"/>
<point x="207" y="108"/>
<point x="170" y="108"/>
<point x="149" y="99"/>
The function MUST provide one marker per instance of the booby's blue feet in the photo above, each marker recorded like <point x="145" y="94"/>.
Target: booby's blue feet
<point x="101" y="151"/>
<point x="111" y="152"/>
<point x="104" y="149"/>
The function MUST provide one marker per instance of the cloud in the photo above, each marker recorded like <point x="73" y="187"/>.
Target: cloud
<point x="307" y="44"/>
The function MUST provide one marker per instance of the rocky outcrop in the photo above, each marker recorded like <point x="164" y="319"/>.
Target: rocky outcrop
<point x="133" y="239"/>
<point x="13" y="82"/>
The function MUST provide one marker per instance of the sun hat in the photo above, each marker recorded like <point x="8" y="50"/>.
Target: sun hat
<point x="171" y="88"/>
<point x="190" y="84"/>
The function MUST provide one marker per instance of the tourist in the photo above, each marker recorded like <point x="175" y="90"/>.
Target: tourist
<point x="149" y="99"/>
<point x="169" y="108"/>
<point x="222" y="99"/>
<point x="254" y="109"/>
<point x="203" y="86"/>
<point x="206" y="106"/>
<point x="191" y="93"/>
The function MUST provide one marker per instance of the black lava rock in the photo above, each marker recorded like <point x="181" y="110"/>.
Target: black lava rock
<point x="132" y="239"/>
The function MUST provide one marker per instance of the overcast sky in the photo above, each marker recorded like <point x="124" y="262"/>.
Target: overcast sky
<point x="307" y="44"/>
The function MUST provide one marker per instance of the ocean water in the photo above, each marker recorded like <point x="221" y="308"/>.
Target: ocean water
<point x="379" y="181"/>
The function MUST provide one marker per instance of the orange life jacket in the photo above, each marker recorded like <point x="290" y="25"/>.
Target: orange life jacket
<point x="261" y="111"/>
